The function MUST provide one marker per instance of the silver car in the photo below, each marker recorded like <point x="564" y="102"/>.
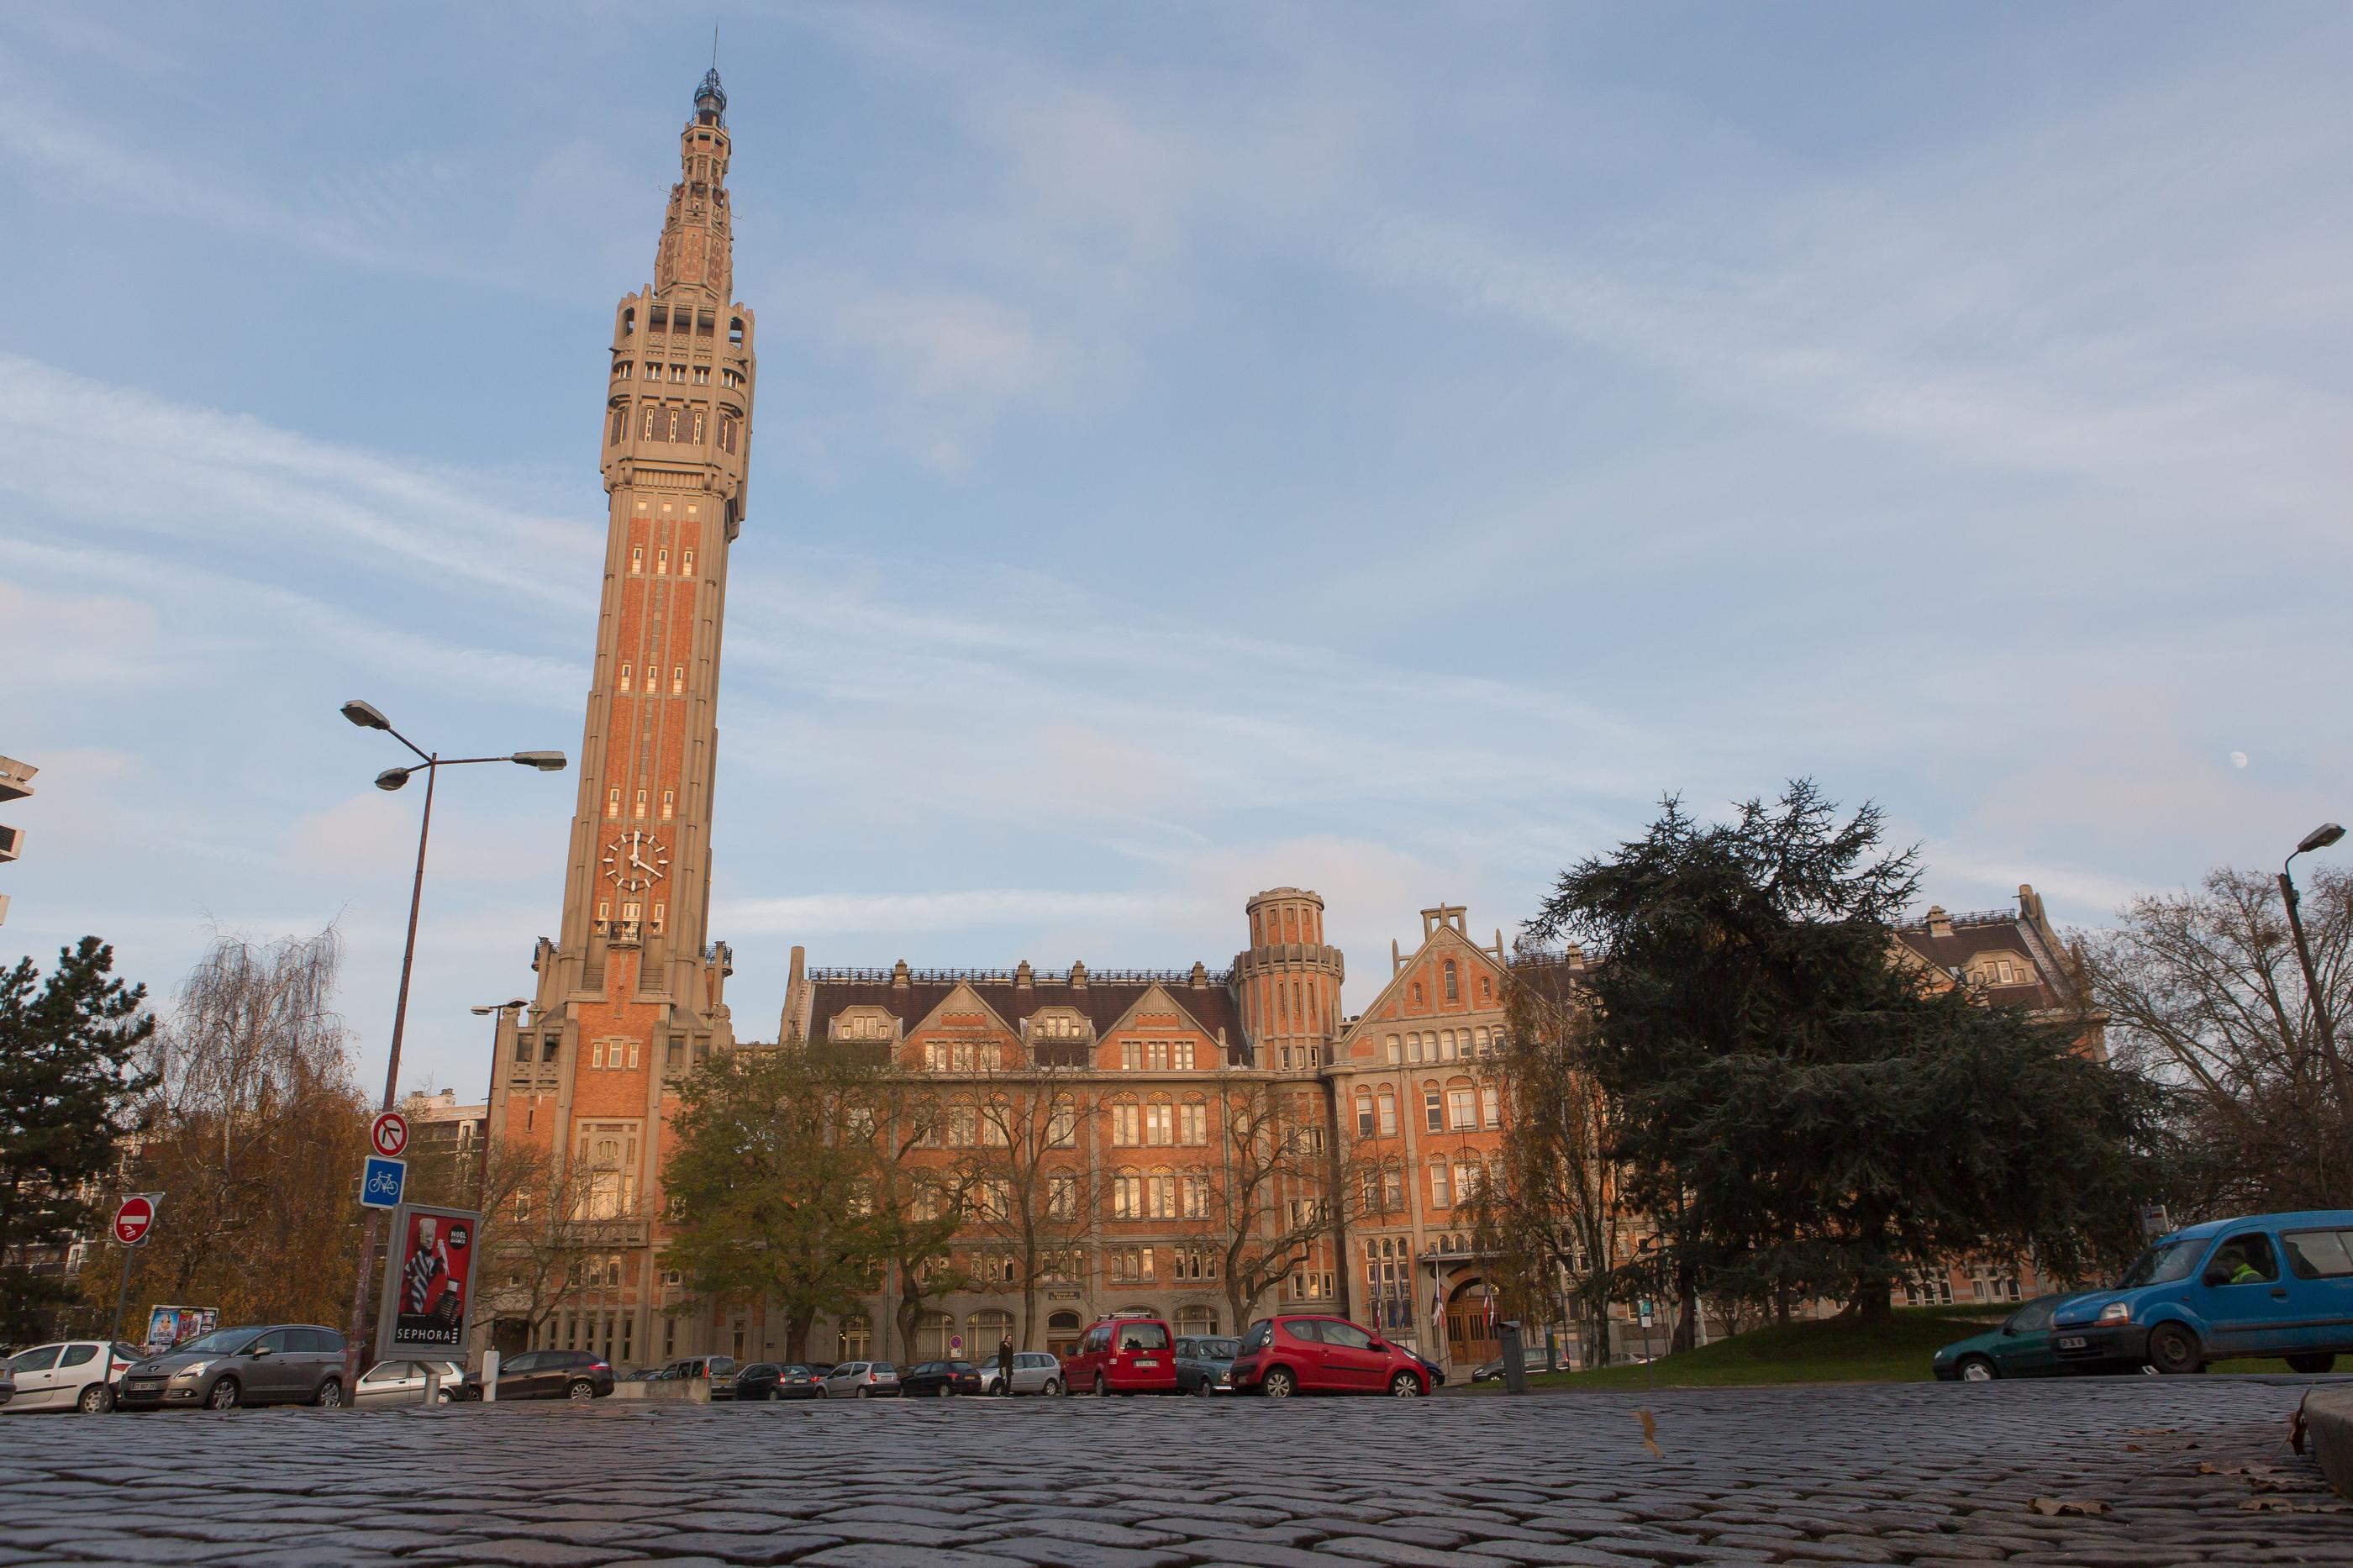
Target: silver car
<point x="1034" y="1371"/>
<point x="861" y="1380"/>
<point x="288" y="1363"/>
<point x="403" y="1383"/>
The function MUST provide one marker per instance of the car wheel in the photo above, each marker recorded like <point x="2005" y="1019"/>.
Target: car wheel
<point x="1278" y="1384"/>
<point x="2312" y="1360"/>
<point x="1053" y="1389"/>
<point x="865" y="1393"/>
<point x="97" y="1399"/>
<point x="443" y="1397"/>
<point x="1405" y="1385"/>
<point x="2173" y="1349"/>
<point x="1202" y="1389"/>
<point x="1977" y="1369"/>
<point x="1100" y="1389"/>
<point x="580" y="1388"/>
<point x="329" y="1394"/>
<point x="222" y="1396"/>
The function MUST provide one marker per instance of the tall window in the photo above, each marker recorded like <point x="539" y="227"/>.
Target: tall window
<point x="1063" y="1123"/>
<point x="1127" y="1194"/>
<point x="1392" y="1188"/>
<point x="1491" y="1106"/>
<point x="1127" y="1123"/>
<point x="1453" y="986"/>
<point x="1439" y="1197"/>
<point x="1062" y="1198"/>
<point x="1365" y="1112"/>
<point x="1468" y="1178"/>
<point x="1458" y="1105"/>
<point x="1433" y="1112"/>
<point x="1388" y="1112"/>
<point x="1194" y="1122"/>
<point x="1160" y="1195"/>
<point x="1160" y="1123"/>
<point x="1194" y="1194"/>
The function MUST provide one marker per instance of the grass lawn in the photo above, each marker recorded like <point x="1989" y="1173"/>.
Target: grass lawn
<point x="1830" y="1351"/>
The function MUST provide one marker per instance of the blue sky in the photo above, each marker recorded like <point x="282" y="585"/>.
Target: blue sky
<point x="1378" y="448"/>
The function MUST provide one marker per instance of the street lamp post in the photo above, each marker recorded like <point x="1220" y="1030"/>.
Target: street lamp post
<point x="368" y="716"/>
<point x="2320" y="837"/>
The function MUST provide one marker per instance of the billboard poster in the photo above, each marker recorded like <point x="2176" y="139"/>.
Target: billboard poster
<point x="429" y="1286"/>
<point x="169" y="1326"/>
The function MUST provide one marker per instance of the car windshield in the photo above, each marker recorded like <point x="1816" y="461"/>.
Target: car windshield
<point x="2162" y="1264"/>
<point x="220" y="1342"/>
<point x="1217" y="1349"/>
<point x="883" y="1368"/>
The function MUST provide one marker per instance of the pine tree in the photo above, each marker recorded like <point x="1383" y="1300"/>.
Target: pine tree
<point x="68" y="1088"/>
<point x="1796" y="1108"/>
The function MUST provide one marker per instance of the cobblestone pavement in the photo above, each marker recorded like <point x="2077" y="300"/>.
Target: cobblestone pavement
<point x="1912" y="1473"/>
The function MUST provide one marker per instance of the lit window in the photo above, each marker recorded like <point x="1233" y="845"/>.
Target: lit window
<point x="637" y="556"/>
<point x="686" y="564"/>
<point x="661" y="563"/>
<point x="641" y="802"/>
<point x="612" y="803"/>
<point x="658" y="919"/>
<point x="668" y="796"/>
<point x="678" y="680"/>
<point x="1453" y="986"/>
<point x="625" y="678"/>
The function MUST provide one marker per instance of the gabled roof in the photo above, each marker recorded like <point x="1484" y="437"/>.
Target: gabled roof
<point x="1444" y="936"/>
<point x="1106" y="1003"/>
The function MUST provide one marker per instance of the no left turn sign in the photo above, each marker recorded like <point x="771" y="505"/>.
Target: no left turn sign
<point x="389" y="1134"/>
<point x="135" y="1219"/>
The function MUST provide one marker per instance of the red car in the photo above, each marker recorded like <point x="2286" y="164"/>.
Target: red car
<point x="1123" y="1355"/>
<point x="1306" y="1355"/>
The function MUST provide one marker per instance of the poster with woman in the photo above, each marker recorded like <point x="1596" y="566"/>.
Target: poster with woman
<point x="430" y="1287"/>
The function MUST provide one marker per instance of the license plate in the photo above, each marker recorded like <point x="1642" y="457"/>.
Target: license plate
<point x="2071" y="1342"/>
<point x="144" y="1383"/>
<point x="1148" y="1361"/>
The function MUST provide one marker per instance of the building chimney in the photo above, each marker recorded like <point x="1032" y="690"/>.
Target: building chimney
<point x="1024" y="977"/>
<point x="1200" y="975"/>
<point x="1078" y="975"/>
<point x="901" y="978"/>
<point x="1939" y="922"/>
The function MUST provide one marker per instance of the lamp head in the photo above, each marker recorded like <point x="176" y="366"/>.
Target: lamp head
<point x="392" y="778"/>
<point x="487" y="1008"/>
<point x="2320" y="837"/>
<point x="545" y="761"/>
<point x="367" y="715"/>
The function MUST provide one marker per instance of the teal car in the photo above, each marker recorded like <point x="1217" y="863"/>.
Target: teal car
<point x="2021" y="1347"/>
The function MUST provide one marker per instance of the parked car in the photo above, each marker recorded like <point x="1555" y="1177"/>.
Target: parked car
<point x="766" y="1380"/>
<point x="1532" y="1359"/>
<point x="861" y="1380"/>
<point x="2268" y="1285"/>
<point x="403" y="1383"/>
<point x="937" y="1379"/>
<point x="280" y="1363"/>
<point x="2021" y="1347"/>
<point x="719" y="1371"/>
<point x="1133" y="1355"/>
<point x="1205" y="1364"/>
<point x="7" y="1384"/>
<point x="1436" y="1373"/>
<point x="1034" y="1371"/>
<point x="69" y="1374"/>
<point x="1297" y="1353"/>
<point x="548" y="1374"/>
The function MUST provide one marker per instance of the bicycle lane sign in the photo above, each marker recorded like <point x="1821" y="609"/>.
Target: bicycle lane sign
<point x="382" y="1181"/>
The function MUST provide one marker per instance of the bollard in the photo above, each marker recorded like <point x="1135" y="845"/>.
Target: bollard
<point x="1515" y="1369"/>
<point x="1552" y="1348"/>
<point x="489" y="1377"/>
<point x="432" y="1385"/>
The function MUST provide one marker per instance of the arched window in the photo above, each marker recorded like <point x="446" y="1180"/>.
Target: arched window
<point x="736" y="331"/>
<point x="1126" y="1122"/>
<point x="1453" y="985"/>
<point x="1434" y="1109"/>
<point x="1396" y="1050"/>
<point x="1413" y="1047"/>
<point x="1491" y="1106"/>
<point x="1160" y="1195"/>
<point x="1365" y="1112"/>
<point x="1440" y="1197"/>
<point x="1160" y="1120"/>
<point x="1479" y="1040"/>
<point x="1127" y="1193"/>
<point x="629" y="322"/>
<point x="1460" y="1105"/>
<point x="1194" y="1120"/>
<point x="1446" y="1048"/>
<point x="856" y="1338"/>
<point x="1388" y="1112"/>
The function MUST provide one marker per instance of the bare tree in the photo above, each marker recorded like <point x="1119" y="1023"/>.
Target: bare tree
<point x="1022" y="1173"/>
<point x="253" y="1133"/>
<point x="921" y="1204"/>
<point x="540" y="1256"/>
<point x="1278" y="1194"/>
<point x="1555" y="1216"/>
<point x="2203" y="991"/>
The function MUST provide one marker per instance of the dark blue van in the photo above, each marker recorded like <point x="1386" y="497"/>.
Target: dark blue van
<point x="2272" y="1284"/>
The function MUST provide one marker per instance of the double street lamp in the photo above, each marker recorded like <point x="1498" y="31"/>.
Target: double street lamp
<point x="2320" y="837"/>
<point x="367" y="716"/>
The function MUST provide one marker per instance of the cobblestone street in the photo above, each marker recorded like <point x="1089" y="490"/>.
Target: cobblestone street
<point x="1914" y="1473"/>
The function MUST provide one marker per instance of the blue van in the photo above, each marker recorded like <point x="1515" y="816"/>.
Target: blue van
<point x="2272" y="1284"/>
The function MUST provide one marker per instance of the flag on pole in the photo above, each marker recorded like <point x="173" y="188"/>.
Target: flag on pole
<point x="1436" y="1308"/>
<point x="1491" y="1309"/>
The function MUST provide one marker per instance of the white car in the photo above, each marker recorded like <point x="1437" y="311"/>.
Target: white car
<point x="69" y="1374"/>
<point x="1034" y="1371"/>
<point x="861" y="1380"/>
<point x="403" y="1383"/>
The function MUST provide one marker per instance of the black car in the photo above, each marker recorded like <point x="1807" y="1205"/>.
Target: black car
<point x="934" y="1379"/>
<point x="548" y="1374"/>
<point x="772" y="1379"/>
<point x="1205" y="1364"/>
<point x="1437" y="1372"/>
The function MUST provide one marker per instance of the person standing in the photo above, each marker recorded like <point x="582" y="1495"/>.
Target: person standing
<point x="1005" y="1365"/>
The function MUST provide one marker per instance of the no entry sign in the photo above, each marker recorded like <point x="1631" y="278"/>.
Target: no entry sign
<point x="135" y="1219"/>
<point x="389" y="1134"/>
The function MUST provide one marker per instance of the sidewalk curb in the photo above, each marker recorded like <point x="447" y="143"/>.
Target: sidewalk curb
<point x="2329" y="1423"/>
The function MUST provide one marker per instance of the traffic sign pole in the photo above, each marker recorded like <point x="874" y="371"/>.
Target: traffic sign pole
<point x="132" y="1222"/>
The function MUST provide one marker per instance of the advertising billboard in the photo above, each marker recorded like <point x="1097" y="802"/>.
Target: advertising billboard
<point x="429" y="1283"/>
<point x="169" y="1326"/>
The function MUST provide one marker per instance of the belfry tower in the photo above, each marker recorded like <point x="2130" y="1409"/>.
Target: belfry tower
<point x="631" y="992"/>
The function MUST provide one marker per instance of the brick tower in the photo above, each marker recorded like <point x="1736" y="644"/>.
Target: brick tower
<point x="1289" y="981"/>
<point x="631" y="992"/>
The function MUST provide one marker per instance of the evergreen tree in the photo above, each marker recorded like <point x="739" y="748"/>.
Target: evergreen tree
<point x="67" y="1088"/>
<point x="1798" y="1108"/>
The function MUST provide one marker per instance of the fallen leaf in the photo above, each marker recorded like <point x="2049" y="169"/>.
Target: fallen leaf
<point x="2135" y="1448"/>
<point x="2051" y="1507"/>
<point x="1651" y="1433"/>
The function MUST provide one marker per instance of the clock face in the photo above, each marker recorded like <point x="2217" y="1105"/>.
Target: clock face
<point x="636" y="861"/>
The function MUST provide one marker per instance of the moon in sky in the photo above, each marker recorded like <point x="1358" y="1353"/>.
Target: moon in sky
<point x="2238" y="758"/>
